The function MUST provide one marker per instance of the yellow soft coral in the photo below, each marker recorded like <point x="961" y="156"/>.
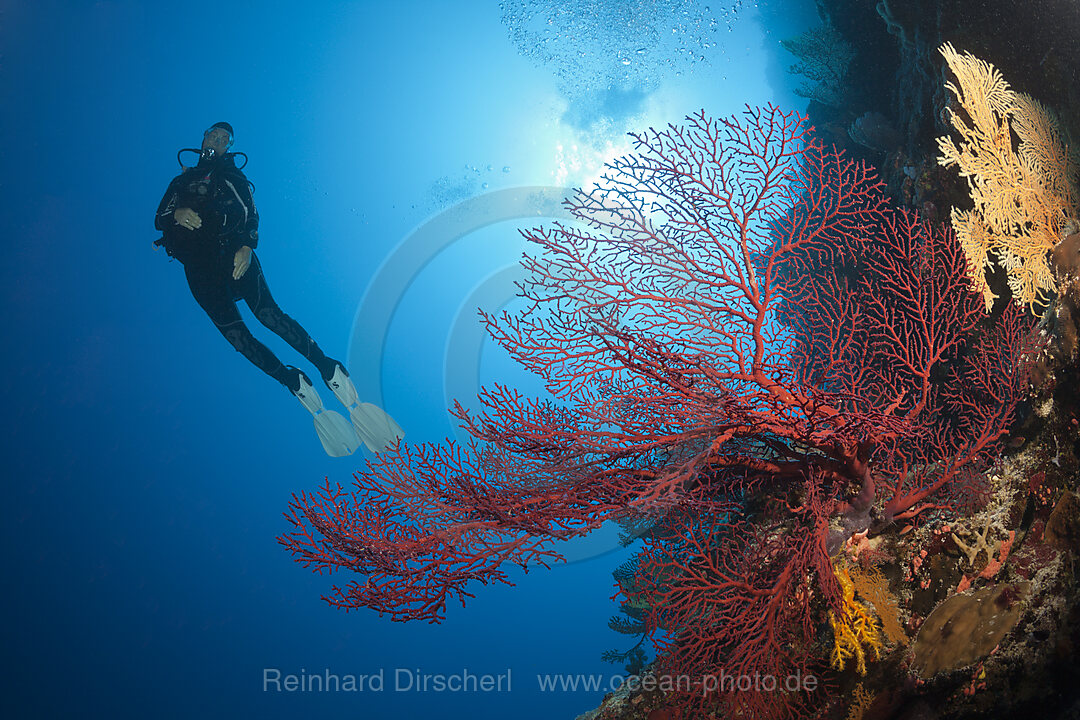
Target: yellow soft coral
<point x="1023" y="195"/>
<point x="854" y="628"/>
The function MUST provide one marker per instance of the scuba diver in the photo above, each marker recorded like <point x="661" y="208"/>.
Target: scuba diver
<point x="209" y="223"/>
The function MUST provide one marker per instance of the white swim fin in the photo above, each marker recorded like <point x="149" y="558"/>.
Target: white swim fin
<point x="335" y="432"/>
<point x="373" y="425"/>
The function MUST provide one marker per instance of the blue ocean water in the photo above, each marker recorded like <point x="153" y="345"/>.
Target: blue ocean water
<point x="147" y="465"/>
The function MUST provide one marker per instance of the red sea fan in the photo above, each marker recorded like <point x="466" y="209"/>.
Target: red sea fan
<point x="741" y="339"/>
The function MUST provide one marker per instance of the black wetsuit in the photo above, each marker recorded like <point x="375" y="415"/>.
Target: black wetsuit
<point x="220" y="193"/>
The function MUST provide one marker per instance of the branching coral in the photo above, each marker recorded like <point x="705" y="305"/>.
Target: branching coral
<point x="979" y="544"/>
<point x="1023" y="187"/>
<point x="743" y="342"/>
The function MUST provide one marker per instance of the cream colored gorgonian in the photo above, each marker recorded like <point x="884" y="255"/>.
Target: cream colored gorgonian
<point x="1023" y="191"/>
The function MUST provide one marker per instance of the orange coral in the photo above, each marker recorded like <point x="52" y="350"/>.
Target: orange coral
<point x="853" y="628"/>
<point x="861" y="699"/>
<point x="872" y="587"/>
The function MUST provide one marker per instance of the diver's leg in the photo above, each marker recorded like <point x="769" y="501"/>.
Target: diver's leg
<point x="378" y="431"/>
<point x="253" y="288"/>
<point x="212" y="293"/>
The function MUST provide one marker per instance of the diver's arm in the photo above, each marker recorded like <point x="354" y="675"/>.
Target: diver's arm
<point x="169" y="215"/>
<point x="164" y="220"/>
<point x="248" y="231"/>
<point x="246" y="234"/>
